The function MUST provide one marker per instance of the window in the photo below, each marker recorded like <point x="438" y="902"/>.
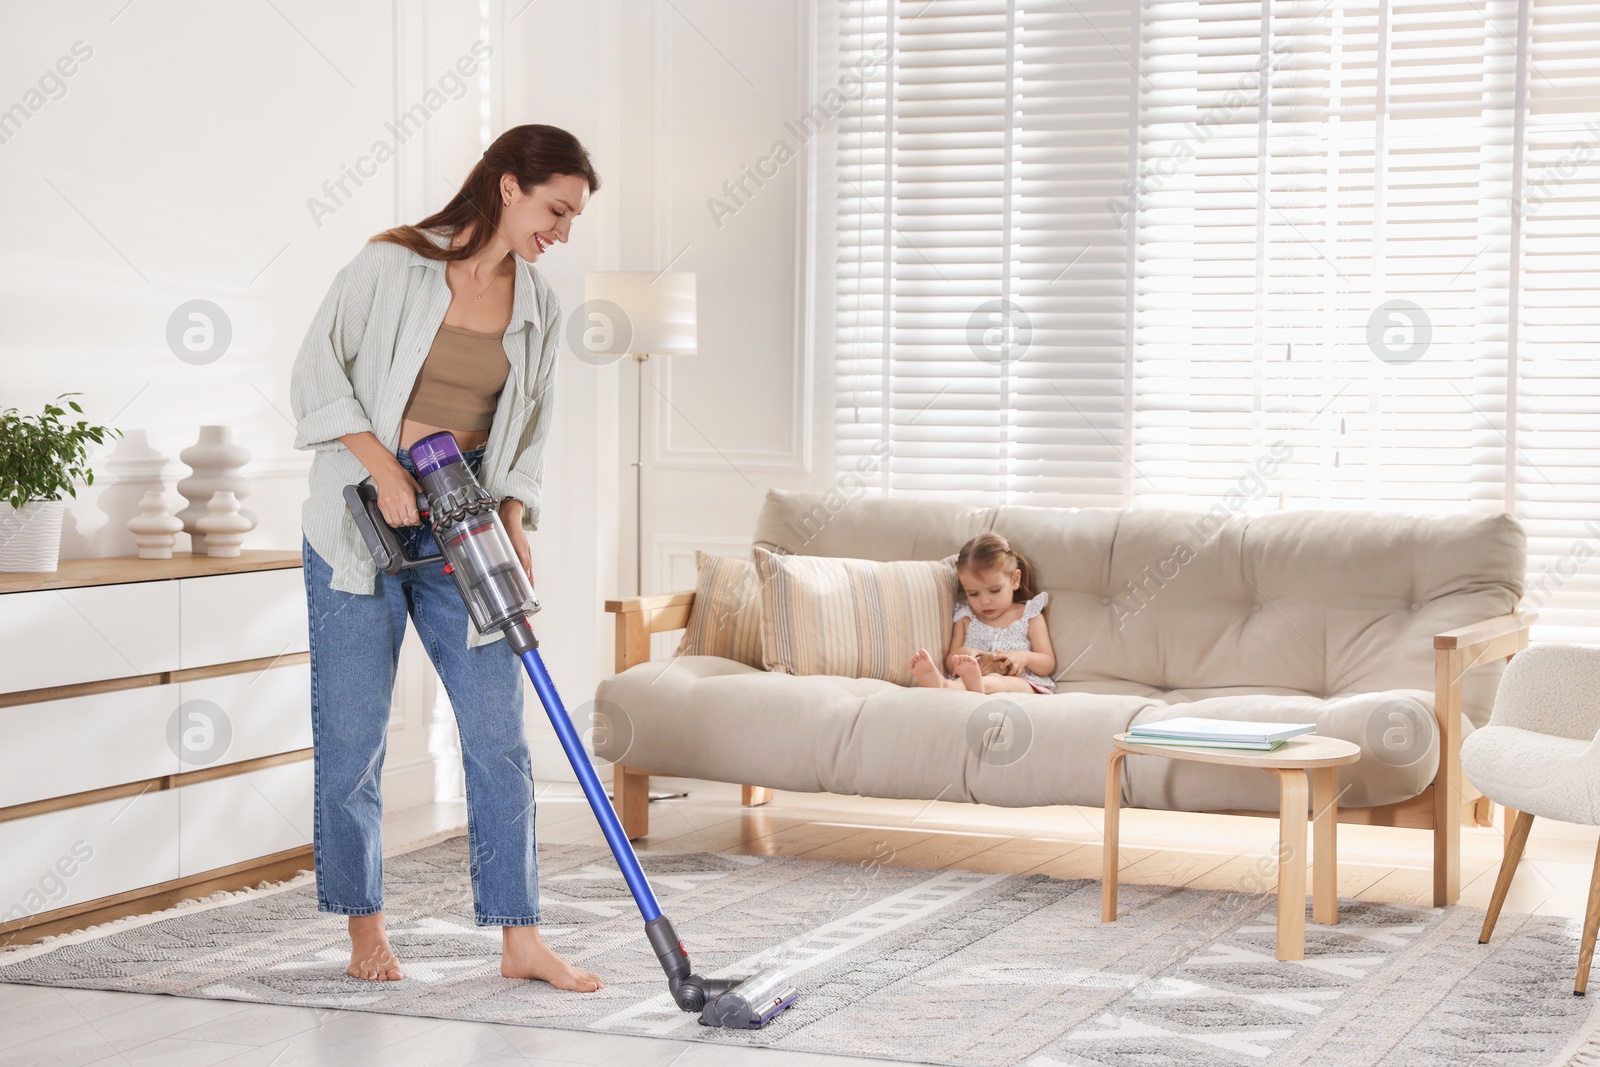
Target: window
<point x="1111" y="253"/>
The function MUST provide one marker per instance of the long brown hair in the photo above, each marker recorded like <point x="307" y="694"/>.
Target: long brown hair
<point x="534" y="154"/>
<point x="990" y="550"/>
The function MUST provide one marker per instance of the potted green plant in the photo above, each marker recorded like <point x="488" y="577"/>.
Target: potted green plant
<point x="40" y="458"/>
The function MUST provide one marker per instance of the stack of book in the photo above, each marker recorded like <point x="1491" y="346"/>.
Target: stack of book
<point x="1218" y="733"/>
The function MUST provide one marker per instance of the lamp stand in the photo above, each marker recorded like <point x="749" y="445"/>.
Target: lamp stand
<point x="638" y="481"/>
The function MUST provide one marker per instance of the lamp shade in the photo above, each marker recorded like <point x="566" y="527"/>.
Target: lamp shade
<point x="648" y="313"/>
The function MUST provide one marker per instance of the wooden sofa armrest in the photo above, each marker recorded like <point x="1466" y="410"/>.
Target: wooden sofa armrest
<point x="1509" y="630"/>
<point x="640" y="616"/>
<point x="637" y="618"/>
<point x="1456" y="652"/>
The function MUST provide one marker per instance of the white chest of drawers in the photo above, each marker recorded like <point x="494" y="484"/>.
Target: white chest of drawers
<point x="155" y="734"/>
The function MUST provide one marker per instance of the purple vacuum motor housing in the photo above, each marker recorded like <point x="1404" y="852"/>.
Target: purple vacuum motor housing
<point x="436" y="450"/>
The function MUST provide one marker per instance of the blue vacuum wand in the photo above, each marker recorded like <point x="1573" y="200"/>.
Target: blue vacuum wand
<point x="478" y="555"/>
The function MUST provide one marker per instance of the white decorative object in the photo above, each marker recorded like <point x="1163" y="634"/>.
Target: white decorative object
<point x="30" y="536"/>
<point x="222" y="526"/>
<point x="216" y="461"/>
<point x="132" y="469"/>
<point x="154" y="529"/>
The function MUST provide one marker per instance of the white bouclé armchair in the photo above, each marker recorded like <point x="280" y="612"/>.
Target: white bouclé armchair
<point x="1540" y="757"/>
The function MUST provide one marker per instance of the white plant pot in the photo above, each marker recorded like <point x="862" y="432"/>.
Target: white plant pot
<point x="30" y="536"/>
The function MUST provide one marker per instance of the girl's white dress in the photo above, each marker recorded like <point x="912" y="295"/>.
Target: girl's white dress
<point x="1013" y="638"/>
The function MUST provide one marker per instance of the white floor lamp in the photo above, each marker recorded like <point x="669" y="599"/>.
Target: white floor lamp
<point x="639" y="314"/>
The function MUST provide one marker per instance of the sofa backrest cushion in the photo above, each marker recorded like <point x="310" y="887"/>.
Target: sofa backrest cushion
<point x="833" y="524"/>
<point x="1323" y="602"/>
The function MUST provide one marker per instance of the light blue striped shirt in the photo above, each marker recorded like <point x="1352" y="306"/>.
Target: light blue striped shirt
<point x="355" y="371"/>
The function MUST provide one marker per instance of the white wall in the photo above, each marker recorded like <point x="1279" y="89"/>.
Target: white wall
<point x="713" y="86"/>
<point x="177" y="164"/>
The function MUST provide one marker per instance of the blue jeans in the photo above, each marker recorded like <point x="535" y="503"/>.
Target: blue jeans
<point x="355" y="649"/>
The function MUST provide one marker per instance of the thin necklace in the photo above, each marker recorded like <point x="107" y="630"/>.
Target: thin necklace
<point x="490" y="285"/>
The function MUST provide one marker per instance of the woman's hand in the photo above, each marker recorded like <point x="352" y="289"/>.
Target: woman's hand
<point x="511" y="519"/>
<point x="397" y="495"/>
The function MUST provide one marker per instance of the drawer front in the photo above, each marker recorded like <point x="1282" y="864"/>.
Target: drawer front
<point x="236" y="717"/>
<point x="67" y="857"/>
<point x="228" y="617"/>
<point x="51" y="637"/>
<point x="57" y="747"/>
<point x="231" y="820"/>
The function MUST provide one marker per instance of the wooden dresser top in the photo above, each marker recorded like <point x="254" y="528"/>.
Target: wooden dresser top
<point x="114" y="570"/>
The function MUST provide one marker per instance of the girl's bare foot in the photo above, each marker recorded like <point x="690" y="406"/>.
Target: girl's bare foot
<point x="967" y="669"/>
<point x="524" y="954"/>
<point x="371" y="957"/>
<point x="924" y="671"/>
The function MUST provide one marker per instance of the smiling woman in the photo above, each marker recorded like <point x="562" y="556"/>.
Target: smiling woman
<point x="444" y="325"/>
<point x="456" y="391"/>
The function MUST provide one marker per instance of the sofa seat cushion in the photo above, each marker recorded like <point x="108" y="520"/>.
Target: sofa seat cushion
<point x="712" y="718"/>
<point x="1501" y="761"/>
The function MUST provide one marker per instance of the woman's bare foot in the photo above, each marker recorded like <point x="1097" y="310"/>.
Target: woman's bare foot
<point x="524" y="954"/>
<point x="371" y="957"/>
<point x="924" y="671"/>
<point x="967" y="669"/>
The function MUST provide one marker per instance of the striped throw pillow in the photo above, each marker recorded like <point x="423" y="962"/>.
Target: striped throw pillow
<point x="725" y="618"/>
<point x="854" y="617"/>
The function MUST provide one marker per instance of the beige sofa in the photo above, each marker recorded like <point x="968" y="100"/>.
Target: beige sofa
<point x="1368" y="624"/>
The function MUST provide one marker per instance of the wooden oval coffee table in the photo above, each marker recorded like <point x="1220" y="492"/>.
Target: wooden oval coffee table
<point x="1308" y="777"/>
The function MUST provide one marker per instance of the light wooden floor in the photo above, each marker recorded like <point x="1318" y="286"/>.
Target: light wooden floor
<point x="69" y="1027"/>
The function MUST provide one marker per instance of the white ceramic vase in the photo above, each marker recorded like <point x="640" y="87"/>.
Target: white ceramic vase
<point x="131" y="470"/>
<point x="155" y="529"/>
<point x="222" y="526"/>
<point x="216" y="460"/>
<point x="30" y="536"/>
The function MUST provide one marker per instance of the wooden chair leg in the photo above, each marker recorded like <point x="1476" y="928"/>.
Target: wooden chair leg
<point x="630" y="788"/>
<point x="1510" y="821"/>
<point x="1591" y="923"/>
<point x="751" y="796"/>
<point x="1516" y="838"/>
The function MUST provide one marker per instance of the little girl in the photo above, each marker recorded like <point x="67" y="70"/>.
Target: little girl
<point x="1001" y="617"/>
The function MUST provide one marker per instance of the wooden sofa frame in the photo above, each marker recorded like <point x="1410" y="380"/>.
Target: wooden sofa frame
<point x="1441" y="807"/>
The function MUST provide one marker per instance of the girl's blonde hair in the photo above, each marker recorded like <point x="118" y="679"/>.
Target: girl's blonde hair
<point x="990" y="550"/>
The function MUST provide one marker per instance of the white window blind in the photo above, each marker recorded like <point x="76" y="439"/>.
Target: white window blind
<point x="980" y="282"/>
<point x="1555" y="466"/>
<point x="1112" y="253"/>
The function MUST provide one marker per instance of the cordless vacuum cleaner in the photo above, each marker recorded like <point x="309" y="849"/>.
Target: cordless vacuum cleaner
<point x="478" y="555"/>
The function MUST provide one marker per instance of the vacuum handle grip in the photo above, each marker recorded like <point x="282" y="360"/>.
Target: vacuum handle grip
<point x="384" y="544"/>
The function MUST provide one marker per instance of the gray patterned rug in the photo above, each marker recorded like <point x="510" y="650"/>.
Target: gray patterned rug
<point x="946" y="967"/>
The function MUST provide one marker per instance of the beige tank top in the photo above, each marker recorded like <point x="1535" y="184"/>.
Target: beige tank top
<point x="460" y="381"/>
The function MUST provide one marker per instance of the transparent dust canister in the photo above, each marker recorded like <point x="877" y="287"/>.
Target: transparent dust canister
<point x="487" y="572"/>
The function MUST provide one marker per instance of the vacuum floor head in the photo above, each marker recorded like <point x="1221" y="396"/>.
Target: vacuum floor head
<point x="750" y="1003"/>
